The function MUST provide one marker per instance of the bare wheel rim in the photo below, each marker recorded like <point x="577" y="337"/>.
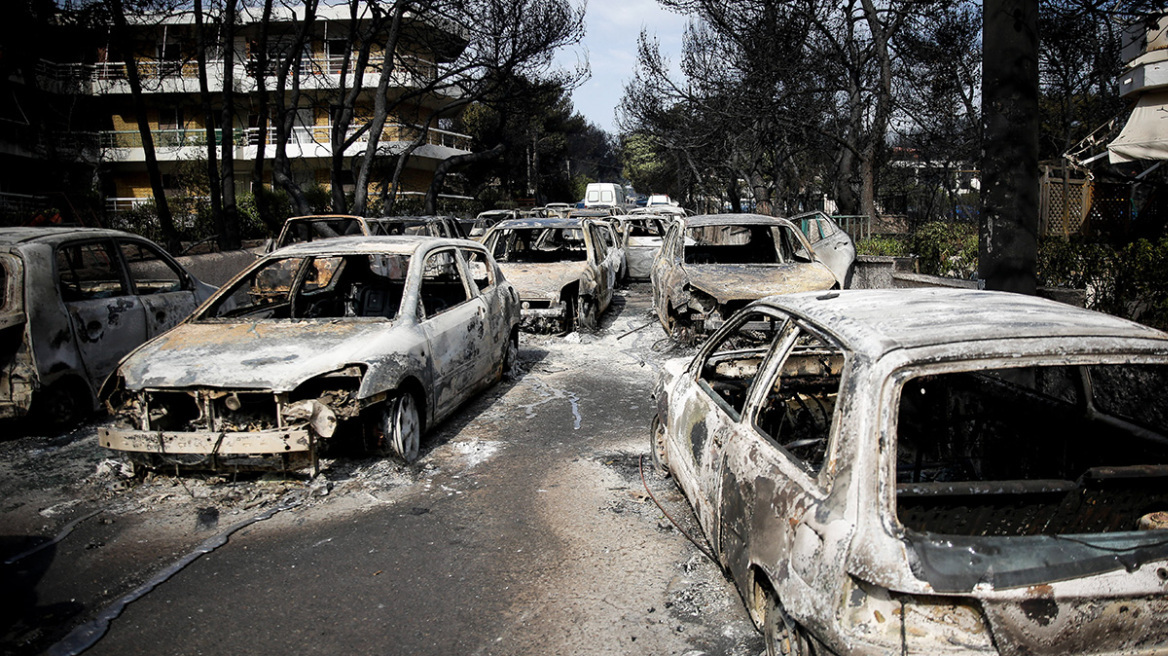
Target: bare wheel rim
<point x="406" y="428"/>
<point x="510" y="353"/>
<point x="657" y="445"/>
<point x="782" y="636"/>
<point x="586" y="315"/>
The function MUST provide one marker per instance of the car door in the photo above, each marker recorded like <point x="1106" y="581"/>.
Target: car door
<point x="789" y="422"/>
<point x="167" y="294"/>
<point x="667" y="272"/>
<point x="712" y="405"/>
<point x="830" y="244"/>
<point x="108" y="320"/>
<point x="497" y="301"/>
<point x="603" y="259"/>
<point x="454" y="324"/>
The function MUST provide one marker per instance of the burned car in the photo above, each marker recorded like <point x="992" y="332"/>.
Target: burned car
<point x="565" y="269"/>
<point x="832" y="245"/>
<point x="299" y="229"/>
<point x="388" y="335"/>
<point x="642" y="240"/>
<point x="711" y="266"/>
<point x="930" y="471"/>
<point x="75" y="301"/>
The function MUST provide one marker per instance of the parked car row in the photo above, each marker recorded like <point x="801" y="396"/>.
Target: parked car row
<point x="879" y="471"/>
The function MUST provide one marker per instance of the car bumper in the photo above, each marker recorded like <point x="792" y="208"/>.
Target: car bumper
<point x="261" y="442"/>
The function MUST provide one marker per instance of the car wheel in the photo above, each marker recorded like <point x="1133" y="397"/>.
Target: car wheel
<point x="657" y="446"/>
<point x="586" y="313"/>
<point x="401" y="428"/>
<point x="61" y="405"/>
<point x="510" y="354"/>
<point x="782" y="635"/>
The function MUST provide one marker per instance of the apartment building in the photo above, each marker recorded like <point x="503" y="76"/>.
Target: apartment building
<point x="165" y="49"/>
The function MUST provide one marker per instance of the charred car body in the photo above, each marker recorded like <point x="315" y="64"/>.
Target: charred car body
<point x="930" y="471"/>
<point x="388" y="333"/>
<point x="299" y="229"/>
<point x="711" y="266"/>
<point x="75" y="301"/>
<point x="566" y="270"/>
<point x="642" y="239"/>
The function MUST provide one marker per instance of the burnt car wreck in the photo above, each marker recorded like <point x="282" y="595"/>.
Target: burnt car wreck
<point x="387" y="335"/>
<point x="75" y="300"/>
<point x="930" y="471"/>
<point x="565" y="270"/>
<point x="709" y="267"/>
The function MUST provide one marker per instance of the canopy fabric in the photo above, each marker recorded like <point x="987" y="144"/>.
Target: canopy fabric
<point x="1146" y="134"/>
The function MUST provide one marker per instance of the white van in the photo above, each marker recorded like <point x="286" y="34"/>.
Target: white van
<point x="604" y="193"/>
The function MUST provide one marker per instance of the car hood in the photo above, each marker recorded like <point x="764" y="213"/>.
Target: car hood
<point x="542" y="280"/>
<point x="275" y="356"/>
<point x="730" y="282"/>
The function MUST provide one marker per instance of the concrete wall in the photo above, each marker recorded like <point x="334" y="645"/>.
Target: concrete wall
<point x="887" y="272"/>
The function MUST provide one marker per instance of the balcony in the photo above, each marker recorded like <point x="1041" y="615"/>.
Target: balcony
<point x="304" y="141"/>
<point x="182" y="76"/>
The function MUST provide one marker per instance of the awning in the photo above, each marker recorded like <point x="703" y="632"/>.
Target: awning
<point x="1146" y="134"/>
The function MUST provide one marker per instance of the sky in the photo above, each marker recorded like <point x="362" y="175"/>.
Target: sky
<point x="610" y="46"/>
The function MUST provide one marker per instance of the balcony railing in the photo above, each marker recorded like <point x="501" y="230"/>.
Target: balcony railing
<point x="416" y="69"/>
<point x="303" y="135"/>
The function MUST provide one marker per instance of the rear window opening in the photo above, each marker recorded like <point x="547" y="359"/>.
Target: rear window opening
<point x="750" y="244"/>
<point x="541" y="245"/>
<point x="1053" y="450"/>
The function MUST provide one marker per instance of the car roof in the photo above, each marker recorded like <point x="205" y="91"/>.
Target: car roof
<point x="876" y="321"/>
<point x="400" y="244"/>
<point x="540" y="222"/>
<point x="57" y="234"/>
<point x="733" y="219"/>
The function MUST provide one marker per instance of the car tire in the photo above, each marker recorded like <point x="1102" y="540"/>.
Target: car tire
<point x="657" y="446"/>
<point x="587" y="313"/>
<point x="782" y="635"/>
<point x="510" y="354"/>
<point x="61" y="405"/>
<point x="400" y="428"/>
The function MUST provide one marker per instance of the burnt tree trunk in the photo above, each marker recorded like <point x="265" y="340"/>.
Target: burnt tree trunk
<point x="1008" y="240"/>
<point x="444" y="167"/>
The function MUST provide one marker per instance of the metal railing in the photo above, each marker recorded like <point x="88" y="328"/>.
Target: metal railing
<point x="114" y="205"/>
<point x="301" y="135"/>
<point x="858" y="226"/>
<point x="415" y="68"/>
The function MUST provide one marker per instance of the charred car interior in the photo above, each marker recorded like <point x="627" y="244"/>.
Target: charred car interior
<point x="1040" y="450"/>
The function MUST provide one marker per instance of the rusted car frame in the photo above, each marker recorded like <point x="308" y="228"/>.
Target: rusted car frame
<point x="930" y="471"/>
<point x="386" y="334"/>
<point x="566" y="270"/>
<point x="75" y="301"/>
<point x="711" y="266"/>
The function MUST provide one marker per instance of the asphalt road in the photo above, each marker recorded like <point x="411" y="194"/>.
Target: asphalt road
<point x="524" y="528"/>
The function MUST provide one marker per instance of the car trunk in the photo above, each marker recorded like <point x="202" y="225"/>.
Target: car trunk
<point x="1042" y="492"/>
<point x="1050" y="472"/>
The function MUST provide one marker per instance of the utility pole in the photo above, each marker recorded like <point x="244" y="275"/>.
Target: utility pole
<point x="1008" y="240"/>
